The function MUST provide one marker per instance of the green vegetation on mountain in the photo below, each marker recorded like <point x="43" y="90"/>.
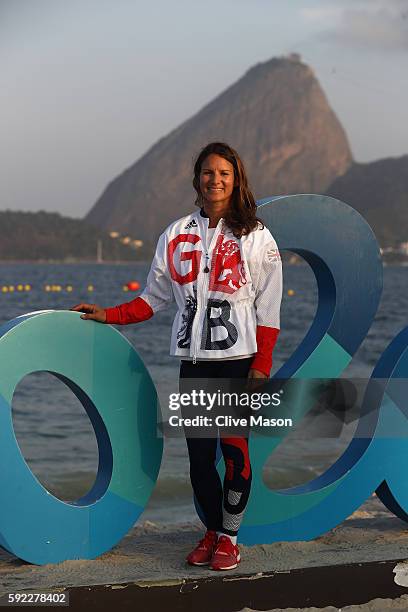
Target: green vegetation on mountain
<point x="379" y="191"/>
<point x="49" y="236"/>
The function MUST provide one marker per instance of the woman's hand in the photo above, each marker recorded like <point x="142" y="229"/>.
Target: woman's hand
<point x="92" y="311"/>
<point x="256" y="378"/>
<point x="256" y="374"/>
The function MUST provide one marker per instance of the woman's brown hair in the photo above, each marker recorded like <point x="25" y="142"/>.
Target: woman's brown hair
<point x="241" y="217"/>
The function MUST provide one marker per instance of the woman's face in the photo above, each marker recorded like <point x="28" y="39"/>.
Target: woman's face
<point x="216" y="180"/>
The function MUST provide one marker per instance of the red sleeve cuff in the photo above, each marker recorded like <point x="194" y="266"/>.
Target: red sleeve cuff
<point x="265" y="340"/>
<point x="130" y="312"/>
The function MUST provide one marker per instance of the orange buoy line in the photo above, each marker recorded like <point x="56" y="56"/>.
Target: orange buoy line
<point x="55" y="288"/>
<point x="12" y="288"/>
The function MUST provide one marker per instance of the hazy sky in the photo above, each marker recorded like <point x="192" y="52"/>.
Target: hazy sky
<point x="87" y="86"/>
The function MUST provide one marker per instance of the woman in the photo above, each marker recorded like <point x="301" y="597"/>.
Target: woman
<point x="223" y="268"/>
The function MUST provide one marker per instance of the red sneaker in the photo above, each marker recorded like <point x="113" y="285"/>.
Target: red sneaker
<point x="226" y="555"/>
<point x="203" y="552"/>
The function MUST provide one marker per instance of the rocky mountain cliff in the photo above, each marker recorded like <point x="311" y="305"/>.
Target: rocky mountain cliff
<point x="276" y="116"/>
<point x="379" y="191"/>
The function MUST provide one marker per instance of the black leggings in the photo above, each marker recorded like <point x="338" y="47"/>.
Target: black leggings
<point x="223" y="507"/>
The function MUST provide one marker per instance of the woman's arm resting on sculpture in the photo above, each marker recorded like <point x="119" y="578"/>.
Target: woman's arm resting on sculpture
<point x="156" y="296"/>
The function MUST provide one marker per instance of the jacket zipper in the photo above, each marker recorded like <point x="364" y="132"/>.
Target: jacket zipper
<point x="200" y="294"/>
<point x="207" y="271"/>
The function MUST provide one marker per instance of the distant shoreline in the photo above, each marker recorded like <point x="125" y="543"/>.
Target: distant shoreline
<point x="402" y="263"/>
<point x="73" y="262"/>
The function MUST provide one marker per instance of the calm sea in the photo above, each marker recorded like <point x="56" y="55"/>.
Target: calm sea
<point x="54" y="432"/>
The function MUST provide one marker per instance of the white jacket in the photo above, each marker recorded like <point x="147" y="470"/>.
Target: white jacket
<point x="219" y="310"/>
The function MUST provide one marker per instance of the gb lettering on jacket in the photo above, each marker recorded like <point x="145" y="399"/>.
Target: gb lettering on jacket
<point x="223" y="289"/>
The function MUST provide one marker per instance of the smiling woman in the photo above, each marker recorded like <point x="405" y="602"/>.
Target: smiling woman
<point x="217" y="183"/>
<point x="222" y="266"/>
